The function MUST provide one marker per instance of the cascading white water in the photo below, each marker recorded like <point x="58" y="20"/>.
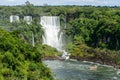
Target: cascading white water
<point x="33" y="41"/>
<point x="52" y="34"/>
<point x="14" y="18"/>
<point x="28" y="19"/>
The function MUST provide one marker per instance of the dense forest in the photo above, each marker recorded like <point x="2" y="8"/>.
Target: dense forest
<point x="93" y="33"/>
<point x="19" y="60"/>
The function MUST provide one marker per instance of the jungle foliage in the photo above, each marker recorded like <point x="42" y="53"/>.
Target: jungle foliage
<point x="19" y="60"/>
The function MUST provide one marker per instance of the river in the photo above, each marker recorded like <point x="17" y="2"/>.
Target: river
<point x="80" y="70"/>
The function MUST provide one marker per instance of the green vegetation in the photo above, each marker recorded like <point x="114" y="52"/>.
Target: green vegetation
<point x="94" y="32"/>
<point x="19" y="60"/>
<point x="27" y="30"/>
<point x="104" y="56"/>
<point x="94" y="26"/>
<point x="48" y="51"/>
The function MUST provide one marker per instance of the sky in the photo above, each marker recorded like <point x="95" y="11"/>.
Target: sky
<point x="63" y="2"/>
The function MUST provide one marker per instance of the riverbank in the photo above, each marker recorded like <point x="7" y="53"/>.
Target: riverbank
<point x="105" y="62"/>
<point x="102" y="62"/>
<point x="83" y="52"/>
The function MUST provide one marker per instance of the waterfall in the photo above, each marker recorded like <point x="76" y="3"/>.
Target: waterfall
<point x="52" y="32"/>
<point x="14" y="18"/>
<point x="33" y="42"/>
<point x="28" y="19"/>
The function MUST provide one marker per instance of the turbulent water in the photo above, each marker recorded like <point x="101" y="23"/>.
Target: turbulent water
<point x="76" y="70"/>
<point x="52" y="35"/>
